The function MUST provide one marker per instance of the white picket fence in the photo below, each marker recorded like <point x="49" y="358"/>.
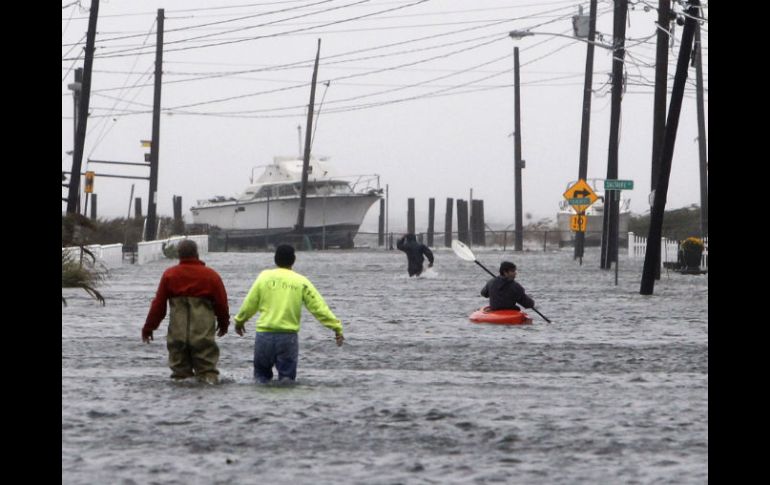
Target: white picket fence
<point x="669" y="249"/>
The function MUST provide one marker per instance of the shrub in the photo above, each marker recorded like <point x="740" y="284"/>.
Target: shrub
<point x="692" y="244"/>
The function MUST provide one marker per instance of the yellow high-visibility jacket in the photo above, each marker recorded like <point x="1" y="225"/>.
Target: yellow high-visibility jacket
<point x="278" y="295"/>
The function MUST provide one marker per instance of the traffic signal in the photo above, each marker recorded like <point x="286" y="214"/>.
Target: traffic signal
<point x="89" y="182"/>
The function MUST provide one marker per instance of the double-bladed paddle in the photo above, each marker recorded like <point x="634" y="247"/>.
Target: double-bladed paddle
<point x="464" y="252"/>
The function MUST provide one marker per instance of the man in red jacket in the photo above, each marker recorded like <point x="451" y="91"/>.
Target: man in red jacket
<point x="196" y="296"/>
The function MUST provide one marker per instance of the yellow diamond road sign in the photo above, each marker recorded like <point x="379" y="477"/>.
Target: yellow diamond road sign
<point x="580" y="196"/>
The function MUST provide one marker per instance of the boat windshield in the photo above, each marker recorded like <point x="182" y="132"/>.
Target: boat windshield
<point x="319" y="188"/>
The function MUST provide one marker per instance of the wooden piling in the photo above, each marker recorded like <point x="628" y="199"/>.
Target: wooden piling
<point x="431" y="214"/>
<point x="93" y="207"/>
<point x="178" y="220"/>
<point x="462" y="221"/>
<point x="477" y="216"/>
<point x="381" y="225"/>
<point x="448" y="222"/>
<point x="410" y="216"/>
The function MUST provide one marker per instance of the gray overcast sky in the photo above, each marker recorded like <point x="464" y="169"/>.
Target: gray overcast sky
<point x="420" y="92"/>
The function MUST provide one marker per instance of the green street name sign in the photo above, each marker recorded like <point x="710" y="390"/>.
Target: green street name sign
<point x="618" y="184"/>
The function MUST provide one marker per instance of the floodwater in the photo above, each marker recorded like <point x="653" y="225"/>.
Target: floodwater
<point x="615" y="390"/>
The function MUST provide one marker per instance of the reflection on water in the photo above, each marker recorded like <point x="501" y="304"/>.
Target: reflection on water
<point x="614" y="390"/>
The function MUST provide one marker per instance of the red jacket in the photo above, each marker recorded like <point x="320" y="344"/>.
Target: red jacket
<point x="190" y="277"/>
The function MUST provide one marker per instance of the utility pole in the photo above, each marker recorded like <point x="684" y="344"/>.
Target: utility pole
<point x="586" y="123"/>
<point x="667" y="154"/>
<point x="130" y="200"/>
<point x="82" y="112"/>
<point x="661" y="86"/>
<point x="299" y="139"/>
<point x="152" y="201"/>
<point x="661" y="89"/>
<point x="300" y="227"/>
<point x="704" y="181"/>
<point x="76" y="87"/>
<point x="610" y="227"/>
<point x="517" y="162"/>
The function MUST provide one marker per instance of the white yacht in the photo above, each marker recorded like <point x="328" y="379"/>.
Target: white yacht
<point x="267" y="209"/>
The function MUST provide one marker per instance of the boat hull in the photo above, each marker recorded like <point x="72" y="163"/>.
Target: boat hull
<point x="329" y="221"/>
<point x="339" y="236"/>
<point x="500" y="317"/>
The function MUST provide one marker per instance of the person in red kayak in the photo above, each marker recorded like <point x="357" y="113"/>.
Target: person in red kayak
<point x="504" y="292"/>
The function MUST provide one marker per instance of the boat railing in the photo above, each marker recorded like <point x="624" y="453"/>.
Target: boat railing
<point x="365" y="183"/>
<point x="251" y="178"/>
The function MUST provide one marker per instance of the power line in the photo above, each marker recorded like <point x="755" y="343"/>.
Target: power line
<point x="261" y="14"/>
<point x="299" y="64"/>
<point x="120" y="52"/>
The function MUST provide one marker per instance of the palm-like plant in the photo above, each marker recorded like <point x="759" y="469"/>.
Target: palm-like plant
<point x="75" y="274"/>
<point x="79" y="269"/>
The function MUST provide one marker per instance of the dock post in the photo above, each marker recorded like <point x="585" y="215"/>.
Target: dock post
<point x="448" y="222"/>
<point x="462" y="221"/>
<point x="410" y="216"/>
<point x="431" y="214"/>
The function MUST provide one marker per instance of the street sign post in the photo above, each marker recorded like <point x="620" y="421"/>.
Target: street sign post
<point x="614" y="186"/>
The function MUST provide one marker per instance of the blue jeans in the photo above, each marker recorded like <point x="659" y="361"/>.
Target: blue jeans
<point x="275" y="349"/>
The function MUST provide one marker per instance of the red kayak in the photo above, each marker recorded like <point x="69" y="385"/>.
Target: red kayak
<point x="501" y="317"/>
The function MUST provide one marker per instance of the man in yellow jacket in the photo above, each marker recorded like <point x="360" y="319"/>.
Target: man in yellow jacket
<point x="278" y="295"/>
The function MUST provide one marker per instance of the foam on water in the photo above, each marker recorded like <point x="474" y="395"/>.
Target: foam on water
<point x="614" y="391"/>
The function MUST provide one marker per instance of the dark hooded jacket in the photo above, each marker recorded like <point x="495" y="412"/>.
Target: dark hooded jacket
<point x="504" y="293"/>
<point x="414" y="252"/>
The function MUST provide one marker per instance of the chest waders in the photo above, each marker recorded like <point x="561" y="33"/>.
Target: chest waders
<point x="192" y="348"/>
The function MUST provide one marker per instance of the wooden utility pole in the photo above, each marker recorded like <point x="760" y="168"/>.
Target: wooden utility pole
<point x="661" y="89"/>
<point x="130" y="200"/>
<point x="76" y="88"/>
<point x="661" y="86"/>
<point x="82" y="113"/>
<point x="667" y="154"/>
<point x="702" y="151"/>
<point x="610" y="226"/>
<point x="586" y="123"/>
<point x="518" y="244"/>
<point x="300" y="227"/>
<point x="152" y="201"/>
